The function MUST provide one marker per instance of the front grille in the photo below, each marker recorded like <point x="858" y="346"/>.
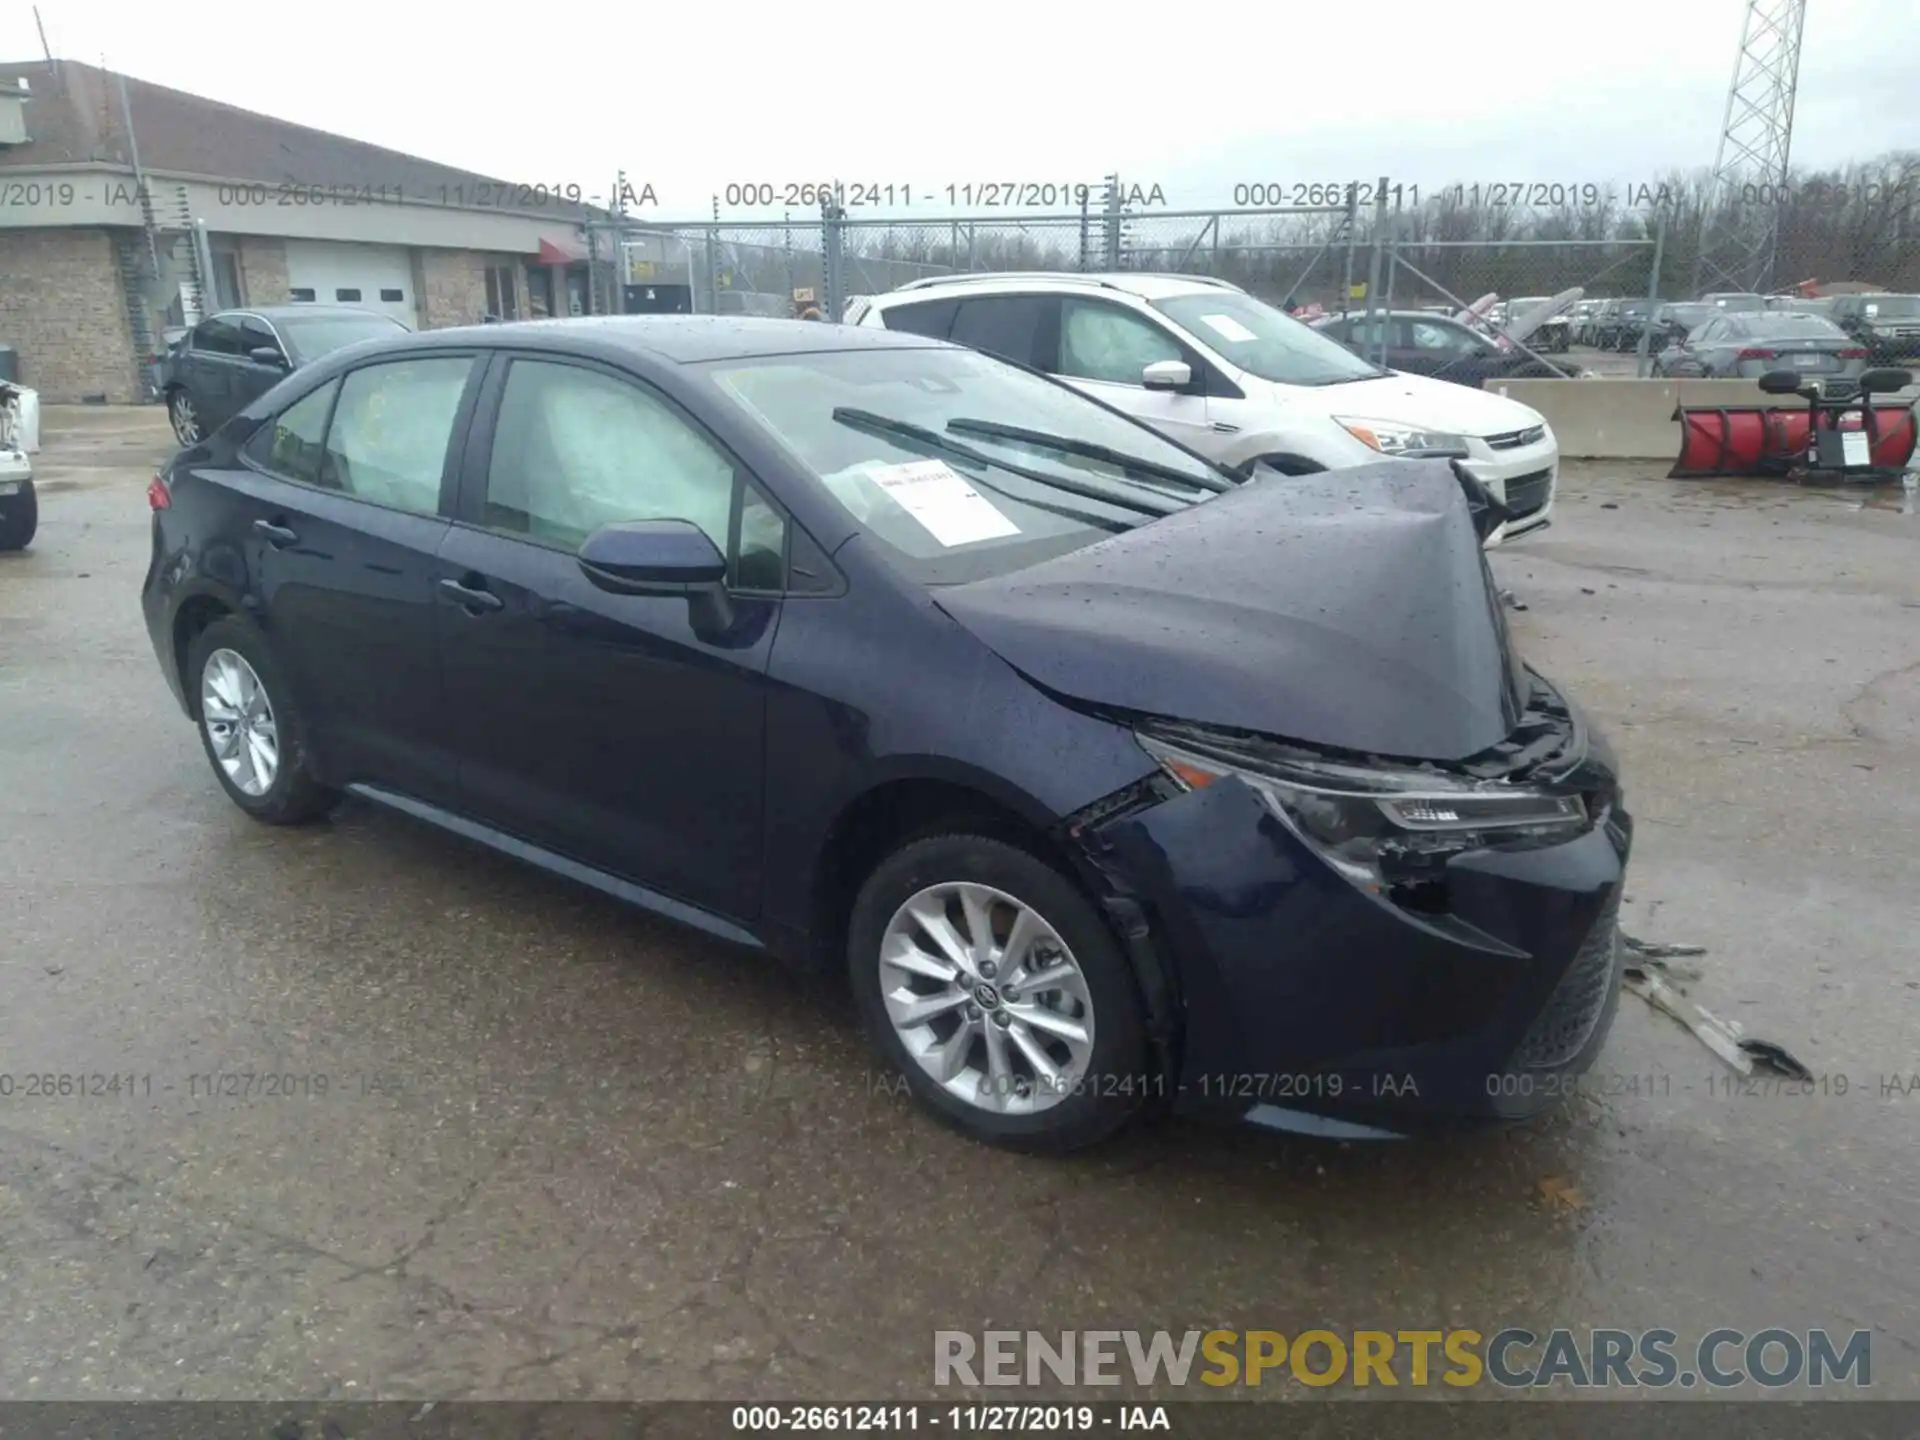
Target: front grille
<point x="1514" y="439"/>
<point x="1566" y="1024"/>
<point x="1528" y="493"/>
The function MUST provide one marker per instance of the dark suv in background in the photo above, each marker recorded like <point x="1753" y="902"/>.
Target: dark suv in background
<point x="231" y="359"/>
<point x="1887" y="325"/>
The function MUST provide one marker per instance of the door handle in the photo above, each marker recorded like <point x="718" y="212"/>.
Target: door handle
<point x="278" y="536"/>
<point x="473" y="601"/>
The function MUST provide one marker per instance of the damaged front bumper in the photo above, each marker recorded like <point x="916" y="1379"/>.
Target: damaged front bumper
<point x="1474" y="987"/>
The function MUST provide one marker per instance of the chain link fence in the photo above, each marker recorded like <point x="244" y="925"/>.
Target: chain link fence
<point x="1494" y="256"/>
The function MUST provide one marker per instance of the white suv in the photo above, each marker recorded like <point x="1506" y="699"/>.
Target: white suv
<point x="1206" y="364"/>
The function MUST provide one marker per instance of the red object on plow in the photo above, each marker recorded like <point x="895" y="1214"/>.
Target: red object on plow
<point x="1724" y="440"/>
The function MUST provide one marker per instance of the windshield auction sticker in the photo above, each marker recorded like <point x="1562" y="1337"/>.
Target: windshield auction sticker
<point x="952" y="511"/>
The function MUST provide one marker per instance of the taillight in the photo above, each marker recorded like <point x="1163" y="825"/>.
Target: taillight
<point x="1857" y="352"/>
<point x="158" y="497"/>
<point x="1758" y="355"/>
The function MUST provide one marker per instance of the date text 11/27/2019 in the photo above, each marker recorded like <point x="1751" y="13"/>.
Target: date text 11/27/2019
<point x="970" y="195"/>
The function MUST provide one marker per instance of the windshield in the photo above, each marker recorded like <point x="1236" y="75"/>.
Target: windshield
<point x="1263" y="341"/>
<point x="315" y="335"/>
<point x="950" y="503"/>
<point x="1885" y="307"/>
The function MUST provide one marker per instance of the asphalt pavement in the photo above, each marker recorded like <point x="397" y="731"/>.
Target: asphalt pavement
<point x="569" y="1151"/>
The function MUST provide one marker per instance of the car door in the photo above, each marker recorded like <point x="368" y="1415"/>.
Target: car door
<point x="345" y="488"/>
<point x="1104" y="347"/>
<point x="211" y="366"/>
<point x="622" y="731"/>
<point x="253" y="378"/>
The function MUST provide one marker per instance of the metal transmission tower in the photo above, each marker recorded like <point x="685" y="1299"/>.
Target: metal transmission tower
<point x="1750" y="167"/>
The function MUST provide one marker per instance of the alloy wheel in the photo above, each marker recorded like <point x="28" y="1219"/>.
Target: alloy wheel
<point x="186" y="420"/>
<point x="987" y="998"/>
<point x="239" y="721"/>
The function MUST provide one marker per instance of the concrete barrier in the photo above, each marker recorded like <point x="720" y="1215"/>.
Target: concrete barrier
<point x="1630" y="419"/>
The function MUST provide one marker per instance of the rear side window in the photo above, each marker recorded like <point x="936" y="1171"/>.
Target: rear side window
<point x="389" y="436"/>
<point x="294" y="443"/>
<point x="1005" y="325"/>
<point x="932" y="318"/>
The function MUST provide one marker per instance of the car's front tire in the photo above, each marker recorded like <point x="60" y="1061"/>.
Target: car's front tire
<point x="993" y="984"/>
<point x="254" y="736"/>
<point x="19" y="518"/>
<point x="184" y="417"/>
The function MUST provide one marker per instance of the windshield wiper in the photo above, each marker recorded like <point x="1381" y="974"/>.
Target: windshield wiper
<point x="941" y="444"/>
<point x="1091" y="450"/>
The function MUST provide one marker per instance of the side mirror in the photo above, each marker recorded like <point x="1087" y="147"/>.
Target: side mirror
<point x="267" y="355"/>
<point x="1780" y="382"/>
<point x="651" y="557"/>
<point x="1167" y="375"/>
<point x="661" y="557"/>
<point x="1879" y="381"/>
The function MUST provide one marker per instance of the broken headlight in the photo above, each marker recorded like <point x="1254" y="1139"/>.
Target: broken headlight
<point x="1389" y="831"/>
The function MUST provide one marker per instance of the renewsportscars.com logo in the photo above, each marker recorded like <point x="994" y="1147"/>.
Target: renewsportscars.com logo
<point x="1512" y="1358"/>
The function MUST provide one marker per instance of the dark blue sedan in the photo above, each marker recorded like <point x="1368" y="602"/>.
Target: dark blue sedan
<point x="1109" y="781"/>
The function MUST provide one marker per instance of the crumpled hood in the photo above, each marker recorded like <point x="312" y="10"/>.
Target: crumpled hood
<point x="1350" y="609"/>
<point x="1434" y="404"/>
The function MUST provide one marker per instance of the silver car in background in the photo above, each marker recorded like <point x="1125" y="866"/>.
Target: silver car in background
<point x="1745" y="345"/>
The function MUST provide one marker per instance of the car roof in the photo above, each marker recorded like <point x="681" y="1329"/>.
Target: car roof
<point x="294" y="312"/>
<point x="682" y="339"/>
<point x="1139" y="284"/>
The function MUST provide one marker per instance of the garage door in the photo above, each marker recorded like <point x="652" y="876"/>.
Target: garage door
<point x="372" y="277"/>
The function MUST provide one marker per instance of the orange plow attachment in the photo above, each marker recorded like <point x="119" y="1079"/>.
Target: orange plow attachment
<point x="1725" y="440"/>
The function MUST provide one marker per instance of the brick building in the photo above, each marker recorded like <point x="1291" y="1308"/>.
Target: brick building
<point x="105" y="181"/>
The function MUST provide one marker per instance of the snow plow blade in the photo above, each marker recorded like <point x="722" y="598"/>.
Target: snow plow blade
<point x="1841" y="434"/>
<point x="1724" y="440"/>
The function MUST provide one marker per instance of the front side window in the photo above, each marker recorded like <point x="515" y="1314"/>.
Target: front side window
<point x="1441" y="339"/>
<point x="1099" y="341"/>
<point x="218" y="336"/>
<point x="915" y="445"/>
<point x="1263" y="341"/>
<point x="575" y="449"/>
<point x="390" y="431"/>
<point x="255" y="333"/>
<point x="293" y="444"/>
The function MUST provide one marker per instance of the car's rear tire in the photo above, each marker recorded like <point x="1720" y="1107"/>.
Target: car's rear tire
<point x="254" y="736"/>
<point x="19" y="518"/>
<point x="184" y="417"/>
<point x="1059" y="1064"/>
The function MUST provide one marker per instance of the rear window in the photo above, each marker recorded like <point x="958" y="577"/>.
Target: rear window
<point x="1786" y="323"/>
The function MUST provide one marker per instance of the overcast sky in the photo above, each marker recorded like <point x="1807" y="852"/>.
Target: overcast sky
<point x="1194" y="98"/>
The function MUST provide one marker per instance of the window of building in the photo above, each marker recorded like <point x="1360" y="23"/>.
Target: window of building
<point x="345" y="294"/>
<point x="503" y="294"/>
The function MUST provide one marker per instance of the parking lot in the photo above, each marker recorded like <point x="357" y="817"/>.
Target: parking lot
<point x="567" y="1150"/>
